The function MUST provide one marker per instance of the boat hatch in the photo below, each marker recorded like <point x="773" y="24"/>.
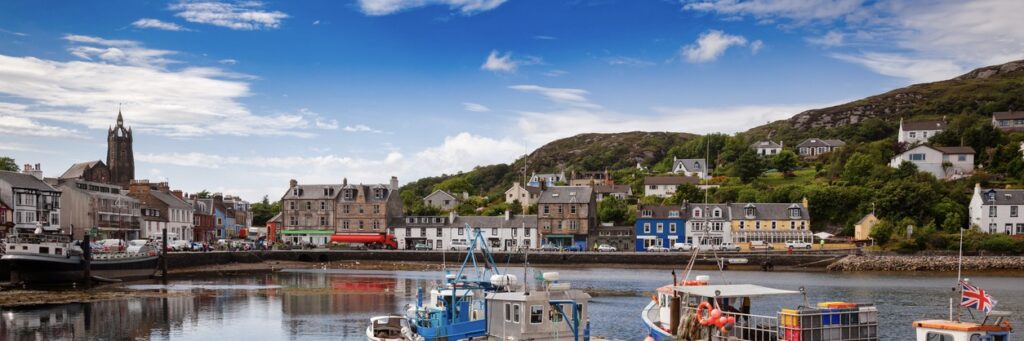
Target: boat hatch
<point x="732" y="290"/>
<point x="959" y="326"/>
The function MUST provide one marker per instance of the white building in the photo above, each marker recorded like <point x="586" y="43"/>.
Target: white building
<point x="33" y="202"/>
<point x="690" y="167"/>
<point x="503" y="233"/>
<point x="766" y="148"/>
<point x="709" y="224"/>
<point x="998" y="210"/>
<point x="919" y="131"/>
<point x="665" y="186"/>
<point x="942" y="162"/>
<point x="527" y="196"/>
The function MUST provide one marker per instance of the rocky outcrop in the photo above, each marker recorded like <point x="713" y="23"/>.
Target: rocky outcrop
<point x="927" y="263"/>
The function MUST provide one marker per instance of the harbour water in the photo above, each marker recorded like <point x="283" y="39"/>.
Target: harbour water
<point x="336" y="304"/>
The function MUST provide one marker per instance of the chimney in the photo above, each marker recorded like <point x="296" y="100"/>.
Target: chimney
<point x="344" y="181"/>
<point x="394" y="183"/>
<point x="163" y="187"/>
<point x="508" y="215"/>
<point x="36" y="171"/>
<point x="806" y="203"/>
<point x="451" y="217"/>
<point x="292" y="183"/>
<point x="178" y="194"/>
<point x="192" y="197"/>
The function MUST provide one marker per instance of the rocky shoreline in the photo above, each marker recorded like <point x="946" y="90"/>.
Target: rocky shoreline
<point x="927" y="263"/>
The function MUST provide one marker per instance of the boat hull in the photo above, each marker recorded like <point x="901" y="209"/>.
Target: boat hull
<point x="652" y="329"/>
<point x="48" y="269"/>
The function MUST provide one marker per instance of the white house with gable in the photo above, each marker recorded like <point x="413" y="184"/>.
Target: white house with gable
<point x="943" y="162"/>
<point x="998" y="210"/>
<point x="919" y="131"/>
<point x="690" y="167"/>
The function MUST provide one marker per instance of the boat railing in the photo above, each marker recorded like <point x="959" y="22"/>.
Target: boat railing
<point x="38" y="238"/>
<point x="748" y="327"/>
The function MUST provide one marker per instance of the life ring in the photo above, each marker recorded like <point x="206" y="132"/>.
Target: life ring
<point x="655" y="299"/>
<point x="701" y="308"/>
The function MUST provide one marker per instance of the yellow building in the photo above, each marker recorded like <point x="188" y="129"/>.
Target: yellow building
<point x="862" y="229"/>
<point x="771" y="222"/>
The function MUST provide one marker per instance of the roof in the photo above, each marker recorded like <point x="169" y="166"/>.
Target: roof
<point x="765" y="144"/>
<point x="924" y="125"/>
<point x="671" y="180"/>
<point x="604" y="189"/>
<point x="529" y="189"/>
<point x="171" y="200"/>
<point x="440" y="192"/>
<point x="865" y="218"/>
<point x="78" y="170"/>
<point x="1008" y="115"/>
<point x="691" y="165"/>
<point x="566" y="195"/>
<point x="955" y="150"/>
<point x="276" y="217"/>
<point x="732" y="290"/>
<point x="313" y="192"/>
<point x="813" y="142"/>
<point x="659" y="211"/>
<point x="960" y="326"/>
<point x="770" y="211"/>
<point x="494" y="221"/>
<point x="726" y="211"/>
<point x="22" y="180"/>
<point x="1003" y="196"/>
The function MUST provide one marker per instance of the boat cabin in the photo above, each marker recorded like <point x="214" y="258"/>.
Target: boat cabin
<point x="994" y="328"/>
<point x="556" y="314"/>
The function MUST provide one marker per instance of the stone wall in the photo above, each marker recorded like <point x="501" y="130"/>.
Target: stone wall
<point x="927" y="263"/>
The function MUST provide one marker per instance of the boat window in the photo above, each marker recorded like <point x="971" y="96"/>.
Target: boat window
<point x="58" y="251"/>
<point x="508" y="312"/>
<point x="44" y="249"/>
<point x="536" y="314"/>
<point x="516" y="310"/>
<point x="933" y="336"/>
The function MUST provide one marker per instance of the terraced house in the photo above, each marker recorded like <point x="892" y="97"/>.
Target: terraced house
<point x="343" y="208"/>
<point x="658" y="225"/>
<point x="770" y="222"/>
<point x="998" y="210"/>
<point x="565" y="215"/>
<point x="32" y="202"/>
<point x="709" y="224"/>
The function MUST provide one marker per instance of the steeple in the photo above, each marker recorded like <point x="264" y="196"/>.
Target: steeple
<point x="120" y="119"/>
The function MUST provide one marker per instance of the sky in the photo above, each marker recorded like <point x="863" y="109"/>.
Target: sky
<point x="241" y="96"/>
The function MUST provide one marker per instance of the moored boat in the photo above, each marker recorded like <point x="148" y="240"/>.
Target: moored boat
<point x="390" y="328"/>
<point x="56" y="258"/>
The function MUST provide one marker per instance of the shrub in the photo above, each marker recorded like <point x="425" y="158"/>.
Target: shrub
<point x="1001" y="244"/>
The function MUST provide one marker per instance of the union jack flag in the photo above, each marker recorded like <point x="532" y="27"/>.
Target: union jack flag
<point x="975" y="297"/>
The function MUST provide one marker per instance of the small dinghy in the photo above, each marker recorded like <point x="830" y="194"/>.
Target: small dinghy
<point x="390" y="328"/>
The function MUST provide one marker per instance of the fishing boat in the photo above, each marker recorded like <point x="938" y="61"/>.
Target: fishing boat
<point x="52" y="257"/>
<point x="390" y="328"/>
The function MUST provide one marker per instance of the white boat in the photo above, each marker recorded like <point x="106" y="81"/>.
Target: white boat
<point x="390" y="328"/>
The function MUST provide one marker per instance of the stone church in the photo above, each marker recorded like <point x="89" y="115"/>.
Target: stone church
<point x="120" y="158"/>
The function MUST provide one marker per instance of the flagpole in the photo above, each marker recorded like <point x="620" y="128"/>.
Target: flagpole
<point x="959" y="266"/>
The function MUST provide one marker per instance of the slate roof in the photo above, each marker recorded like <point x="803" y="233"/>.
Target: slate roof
<point x="276" y="218"/>
<point x="765" y="144"/>
<point x="441" y="193"/>
<point x="769" y="211"/>
<point x="924" y="125"/>
<point x="706" y="210"/>
<point x="171" y="200"/>
<point x="671" y="180"/>
<point x="1008" y="115"/>
<point x="364" y="190"/>
<point x="493" y="221"/>
<point x="865" y="218"/>
<point x="564" y="195"/>
<point x="605" y="189"/>
<point x="313" y="192"/>
<point x="78" y="169"/>
<point x="691" y="165"/>
<point x="22" y="180"/>
<point x="1003" y="196"/>
<point x="659" y="211"/>
<point x="813" y="143"/>
<point x="955" y="150"/>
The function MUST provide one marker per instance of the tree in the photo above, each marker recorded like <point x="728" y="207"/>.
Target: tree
<point x="749" y="166"/>
<point x="264" y="210"/>
<point x="687" y="193"/>
<point x="455" y="186"/>
<point x="516" y="207"/>
<point x="8" y="164"/>
<point x="858" y="169"/>
<point x="785" y="162"/>
<point x="204" y="194"/>
<point x="612" y="209"/>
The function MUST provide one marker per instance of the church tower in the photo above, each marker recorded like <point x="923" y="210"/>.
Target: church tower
<point x="120" y="158"/>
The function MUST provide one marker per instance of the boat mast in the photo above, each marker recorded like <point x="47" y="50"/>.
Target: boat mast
<point x="959" y="266"/>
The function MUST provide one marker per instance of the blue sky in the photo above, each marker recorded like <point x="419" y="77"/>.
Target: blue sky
<point x="240" y="96"/>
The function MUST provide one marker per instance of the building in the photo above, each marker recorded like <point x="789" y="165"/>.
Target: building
<point x="771" y="222"/>
<point x="203" y="220"/>
<point x="99" y="209"/>
<point x="92" y="171"/>
<point x="566" y="214"/>
<point x="862" y="229"/>
<point x="163" y="209"/>
<point x="310" y="207"/>
<point x="919" y="131"/>
<point x="120" y="157"/>
<point x="620" y="237"/>
<point x="343" y="208"/>
<point x="658" y="225"/>
<point x="621" y="192"/>
<point x="527" y="196"/>
<point x="241" y="215"/>
<point x="590" y="178"/>
<point x="425" y="231"/>
<point x="766" y="148"/>
<point x="942" y="162"/>
<point x="709" y="224"/>
<point x="813" y="147"/>
<point x="503" y="233"/>
<point x="32" y="202"/>
<point x="691" y="167"/>
<point x="665" y="186"/>
<point x="6" y="218"/>
<point x="547" y="179"/>
<point x="274" y="229"/>
<point x="998" y="210"/>
<point x="1009" y="120"/>
<point x="442" y="200"/>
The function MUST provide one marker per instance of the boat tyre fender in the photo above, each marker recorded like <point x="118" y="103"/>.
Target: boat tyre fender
<point x="702" y="308"/>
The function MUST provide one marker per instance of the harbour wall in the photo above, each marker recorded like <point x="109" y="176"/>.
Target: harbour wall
<point x="926" y="263"/>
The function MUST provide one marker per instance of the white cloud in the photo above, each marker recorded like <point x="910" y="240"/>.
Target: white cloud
<point x="157" y="24"/>
<point x="466" y="7"/>
<point x="360" y="128"/>
<point x="628" y="61"/>
<point x="793" y="9"/>
<point x="830" y="39"/>
<point x="555" y="73"/>
<point x="465" y="151"/>
<point x="475" y="107"/>
<point x="316" y="22"/>
<point x="505" y="63"/>
<point x="567" y="96"/>
<point x="543" y="37"/>
<point x="895" y="65"/>
<point x="328" y="124"/>
<point x="228" y="61"/>
<point x="242" y="15"/>
<point x="756" y="46"/>
<point x="711" y="45"/>
<point x="183" y="102"/>
<point x="13" y="125"/>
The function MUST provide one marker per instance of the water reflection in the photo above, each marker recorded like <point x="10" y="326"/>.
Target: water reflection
<point x="332" y="305"/>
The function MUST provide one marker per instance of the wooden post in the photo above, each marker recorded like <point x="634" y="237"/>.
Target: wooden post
<point x="87" y="261"/>
<point x="163" y="258"/>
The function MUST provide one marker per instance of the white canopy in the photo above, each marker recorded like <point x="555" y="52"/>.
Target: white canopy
<point x="824" y="235"/>
<point x="731" y="290"/>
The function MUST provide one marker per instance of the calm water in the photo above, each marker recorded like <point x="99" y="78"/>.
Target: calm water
<point x="336" y="305"/>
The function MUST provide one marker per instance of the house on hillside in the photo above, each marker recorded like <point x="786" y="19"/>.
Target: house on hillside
<point x="659" y="225"/>
<point x="1008" y="120"/>
<point x="862" y="229"/>
<point x="771" y="222"/>
<point x="813" y="147"/>
<point x="665" y="186"/>
<point x="547" y="179"/>
<point x="527" y="196"/>
<point x="621" y="192"/>
<point x="919" y="131"/>
<point x="590" y="178"/>
<point x="766" y="148"/>
<point x="691" y="167"/>
<point x="998" y="210"/>
<point x="442" y="200"/>
<point x="947" y="163"/>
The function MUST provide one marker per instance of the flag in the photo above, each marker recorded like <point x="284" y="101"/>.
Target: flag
<point x="977" y="298"/>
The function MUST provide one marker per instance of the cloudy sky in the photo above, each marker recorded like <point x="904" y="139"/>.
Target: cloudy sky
<point x="240" y="96"/>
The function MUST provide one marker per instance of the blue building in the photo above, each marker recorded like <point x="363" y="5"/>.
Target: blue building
<point x="658" y="225"/>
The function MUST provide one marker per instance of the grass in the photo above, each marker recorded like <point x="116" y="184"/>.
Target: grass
<point x="801" y="177"/>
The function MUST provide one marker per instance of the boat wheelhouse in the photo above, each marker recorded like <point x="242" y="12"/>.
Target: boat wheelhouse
<point x="995" y="327"/>
<point x="555" y="313"/>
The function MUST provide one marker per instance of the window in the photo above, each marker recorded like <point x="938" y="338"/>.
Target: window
<point x="515" y="313"/>
<point x="291" y="205"/>
<point x="344" y="225"/>
<point x="913" y="134"/>
<point x="696" y="213"/>
<point x="572" y="209"/>
<point x="536" y="314"/>
<point x="526" y="232"/>
<point x="757" y="225"/>
<point x="647" y="227"/>
<point x="461" y="231"/>
<point x="743" y="225"/>
<point x="494" y="231"/>
<point x="773" y="224"/>
<point x="508" y="312"/>
<point x="361" y="225"/>
<point x="671" y="227"/>
<point x="546" y="210"/>
<point x="323" y="221"/>
<point x="673" y="214"/>
<point x="309" y="206"/>
<point x="660" y="227"/>
<point x="440" y="231"/>
<point x="554" y="315"/>
<point x="961" y="158"/>
<point x="792" y="225"/>
<point x="933" y="336"/>
<point x="717" y="213"/>
<point x="696" y="226"/>
<point x="323" y="205"/>
<point x="1013" y="211"/>
<point x="559" y="209"/>
<point x="423" y="232"/>
<point x="917" y="157"/>
<point x="992" y="211"/>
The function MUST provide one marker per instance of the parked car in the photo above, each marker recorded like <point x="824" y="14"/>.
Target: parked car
<point x="574" y="248"/>
<point x="656" y="248"/>
<point x="727" y="247"/>
<point x="135" y="245"/>
<point x="459" y="247"/>
<point x="606" y="248"/>
<point x="760" y="245"/>
<point x="179" y="245"/>
<point x="681" y="247"/>
<point x="797" y="244"/>
<point x="422" y="247"/>
<point x="550" y="247"/>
